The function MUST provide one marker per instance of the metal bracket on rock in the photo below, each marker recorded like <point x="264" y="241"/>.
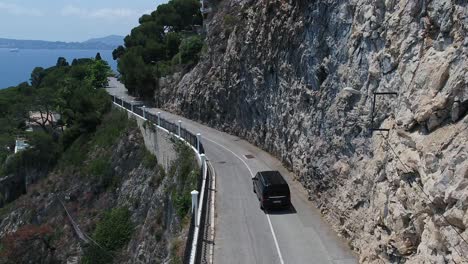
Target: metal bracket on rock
<point x="372" y="128"/>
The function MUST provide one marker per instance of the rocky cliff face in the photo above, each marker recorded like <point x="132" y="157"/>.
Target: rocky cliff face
<point x="275" y="73"/>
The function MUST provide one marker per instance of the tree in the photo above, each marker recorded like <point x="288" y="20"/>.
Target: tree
<point x="154" y="51"/>
<point x="189" y="12"/>
<point x="61" y="62"/>
<point x="145" y="18"/>
<point x="98" y="56"/>
<point x="100" y="72"/>
<point x="36" y="76"/>
<point x="41" y="109"/>
<point x="172" y="42"/>
<point x="139" y="77"/>
<point x="118" y="52"/>
<point x="152" y="46"/>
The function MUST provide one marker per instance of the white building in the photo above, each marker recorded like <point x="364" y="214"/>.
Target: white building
<point x="20" y="145"/>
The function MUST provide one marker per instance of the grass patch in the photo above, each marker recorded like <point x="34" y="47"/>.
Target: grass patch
<point x="177" y="251"/>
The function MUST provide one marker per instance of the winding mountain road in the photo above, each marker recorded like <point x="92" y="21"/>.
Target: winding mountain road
<point x="244" y="233"/>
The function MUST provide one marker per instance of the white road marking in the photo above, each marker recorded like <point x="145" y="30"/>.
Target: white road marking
<point x="268" y="216"/>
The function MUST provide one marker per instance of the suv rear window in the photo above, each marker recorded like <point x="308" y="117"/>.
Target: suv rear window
<point x="277" y="190"/>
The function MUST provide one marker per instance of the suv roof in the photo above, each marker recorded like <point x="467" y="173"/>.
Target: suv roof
<point x="272" y="178"/>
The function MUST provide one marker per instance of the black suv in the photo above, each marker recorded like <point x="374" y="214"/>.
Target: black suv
<point x="272" y="190"/>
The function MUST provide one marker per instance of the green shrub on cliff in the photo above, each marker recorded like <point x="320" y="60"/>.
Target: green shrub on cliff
<point x="187" y="174"/>
<point x="149" y="160"/>
<point x="111" y="234"/>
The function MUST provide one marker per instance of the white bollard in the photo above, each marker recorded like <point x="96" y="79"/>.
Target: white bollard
<point x="144" y="114"/>
<point x="203" y="163"/>
<point x="198" y="142"/>
<point x="159" y="118"/>
<point x="131" y="106"/>
<point x="121" y="99"/>
<point x="194" y="194"/>
<point x="179" y="124"/>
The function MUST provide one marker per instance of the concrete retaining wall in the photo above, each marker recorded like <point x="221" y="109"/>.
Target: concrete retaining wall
<point x="157" y="141"/>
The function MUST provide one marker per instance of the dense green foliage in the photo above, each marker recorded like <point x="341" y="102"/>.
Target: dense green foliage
<point x="66" y="104"/>
<point x="90" y="155"/>
<point x="164" y="41"/>
<point x="111" y="234"/>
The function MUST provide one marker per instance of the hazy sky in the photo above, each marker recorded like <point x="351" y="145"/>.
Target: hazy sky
<point x="70" y="20"/>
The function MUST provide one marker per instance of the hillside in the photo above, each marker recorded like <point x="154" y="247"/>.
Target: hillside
<point x="298" y="79"/>
<point x="106" y="43"/>
<point x="84" y="188"/>
<point x="110" y="186"/>
<point x="112" y="40"/>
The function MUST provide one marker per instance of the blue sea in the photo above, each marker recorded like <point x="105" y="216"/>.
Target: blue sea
<point x="16" y="67"/>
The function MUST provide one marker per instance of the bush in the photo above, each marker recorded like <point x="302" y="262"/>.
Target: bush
<point x="182" y="203"/>
<point x="100" y="169"/>
<point x="112" y="233"/>
<point x="76" y="153"/>
<point x="190" y="49"/>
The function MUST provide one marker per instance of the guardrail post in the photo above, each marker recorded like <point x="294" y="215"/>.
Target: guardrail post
<point x="113" y="98"/>
<point x="131" y="106"/>
<point x="203" y="163"/>
<point x="194" y="194"/>
<point x="179" y="124"/>
<point x="144" y="114"/>
<point x="121" y="99"/>
<point x="198" y="142"/>
<point x="159" y="118"/>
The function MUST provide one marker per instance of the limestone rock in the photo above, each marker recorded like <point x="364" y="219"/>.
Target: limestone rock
<point x="278" y="78"/>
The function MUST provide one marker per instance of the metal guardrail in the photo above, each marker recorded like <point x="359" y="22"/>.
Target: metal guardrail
<point x="193" y="249"/>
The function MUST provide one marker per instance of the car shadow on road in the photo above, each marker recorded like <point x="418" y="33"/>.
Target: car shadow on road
<point x="290" y="210"/>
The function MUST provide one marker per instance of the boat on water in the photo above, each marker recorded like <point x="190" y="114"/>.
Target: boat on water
<point x="14" y="50"/>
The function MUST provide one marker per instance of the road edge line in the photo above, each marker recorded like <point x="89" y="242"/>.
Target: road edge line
<point x="212" y="213"/>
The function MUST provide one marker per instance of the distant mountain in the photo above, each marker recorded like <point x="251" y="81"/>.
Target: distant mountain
<point x="112" y="40"/>
<point x="105" y="43"/>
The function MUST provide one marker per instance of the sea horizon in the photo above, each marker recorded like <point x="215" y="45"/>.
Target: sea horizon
<point x="16" y="66"/>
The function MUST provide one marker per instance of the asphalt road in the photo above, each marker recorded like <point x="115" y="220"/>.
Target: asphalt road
<point x="245" y="233"/>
